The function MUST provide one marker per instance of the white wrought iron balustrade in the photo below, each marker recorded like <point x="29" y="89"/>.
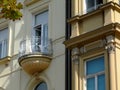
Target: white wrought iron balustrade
<point x="35" y="45"/>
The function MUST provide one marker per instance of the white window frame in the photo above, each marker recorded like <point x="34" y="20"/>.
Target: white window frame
<point x="44" y="39"/>
<point x="4" y="43"/>
<point x="42" y="32"/>
<point x="92" y="75"/>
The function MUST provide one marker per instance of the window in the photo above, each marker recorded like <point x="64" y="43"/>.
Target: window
<point x="41" y="86"/>
<point x="3" y="42"/>
<point x="95" y="73"/>
<point x="92" y="4"/>
<point x="41" y="31"/>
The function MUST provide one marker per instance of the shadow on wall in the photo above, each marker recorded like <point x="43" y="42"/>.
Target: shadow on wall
<point x="1" y="88"/>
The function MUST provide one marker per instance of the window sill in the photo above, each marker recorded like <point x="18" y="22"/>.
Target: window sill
<point x="5" y="60"/>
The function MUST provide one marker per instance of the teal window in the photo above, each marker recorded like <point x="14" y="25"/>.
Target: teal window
<point x="41" y="86"/>
<point x="95" y="73"/>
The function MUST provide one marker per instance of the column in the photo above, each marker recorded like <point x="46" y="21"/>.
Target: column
<point x="75" y="68"/>
<point x="112" y="62"/>
<point x="75" y="7"/>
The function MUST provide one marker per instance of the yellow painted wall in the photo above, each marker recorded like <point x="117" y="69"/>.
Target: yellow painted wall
<point x="92" y="22"/>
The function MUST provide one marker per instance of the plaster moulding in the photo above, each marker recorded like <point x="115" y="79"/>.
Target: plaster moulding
<point x="29" y="2"/>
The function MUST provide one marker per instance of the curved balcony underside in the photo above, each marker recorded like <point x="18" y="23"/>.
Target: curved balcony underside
<point x="34" y="63"/>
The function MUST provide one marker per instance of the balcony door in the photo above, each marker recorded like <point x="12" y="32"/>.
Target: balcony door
<point x="40" y="31"/>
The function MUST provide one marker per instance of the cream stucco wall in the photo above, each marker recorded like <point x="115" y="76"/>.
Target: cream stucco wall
<point x="12" y="76"/>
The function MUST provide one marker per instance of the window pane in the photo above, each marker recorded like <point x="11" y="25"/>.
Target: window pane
<point x="90" y="4"/>
<point x="101" y="82"/>
<point x="3" y="42"/>
<point x="91" y="84"/>
<point x="41" y="86"/>
<point x="99" y="2"/>
<point x="94" y="66"/>
<point x="4" y="34"/>
<point x="41" y="18"/>
<point x="4" y="48"/>
<point x="0" y="49"/>
<point x="38" y="33"/>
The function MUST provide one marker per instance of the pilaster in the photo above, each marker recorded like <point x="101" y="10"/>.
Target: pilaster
<point x="75" y="68"/>
<point x="112" y="61"/>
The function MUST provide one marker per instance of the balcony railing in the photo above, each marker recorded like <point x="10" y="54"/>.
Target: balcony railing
<point x="35" y="45"/>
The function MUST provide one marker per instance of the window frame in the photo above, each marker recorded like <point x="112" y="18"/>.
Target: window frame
<point x="44" y="39"/>
<point x="6" y="25"/>
<point x="94" y="7"/>
<point x="88" y="55"/>
<point x="4" y="44"/>
<point x="95" y="76"/>
<point x="41" y="25"/>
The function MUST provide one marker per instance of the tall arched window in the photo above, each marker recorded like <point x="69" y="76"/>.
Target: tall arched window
<point x="41" y="86"/>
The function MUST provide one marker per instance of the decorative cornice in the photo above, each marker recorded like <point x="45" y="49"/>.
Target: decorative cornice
<point x="101" y="8"/>
<point x="29" y="2"/>
<point x="100" y="33"/>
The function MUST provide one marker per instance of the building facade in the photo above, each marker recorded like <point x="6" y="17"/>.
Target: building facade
<point x="32" y="54"/>
<point x="93" y="45"/>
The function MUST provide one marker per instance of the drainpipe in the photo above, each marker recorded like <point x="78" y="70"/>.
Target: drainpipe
<point x="68" y="74"/>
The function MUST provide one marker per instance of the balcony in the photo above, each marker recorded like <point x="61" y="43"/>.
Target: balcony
<point x="35" y="55"/>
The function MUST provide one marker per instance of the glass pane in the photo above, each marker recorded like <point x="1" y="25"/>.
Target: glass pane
<point x="94" y="66"/>
<point x="4" y="34"/>
<point x="3" y="42"/>
<point x="38" y="33"/>
<point x="41" y="86"/>
<point x="90" y="3"/>
<point x="0" y="49"/>
<point x="98" y="2"/>
<point x="41" y="18"/>
<point x="101" y="82"/>
<point x="4" y="48"/>
<point x="91" y="84"/>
